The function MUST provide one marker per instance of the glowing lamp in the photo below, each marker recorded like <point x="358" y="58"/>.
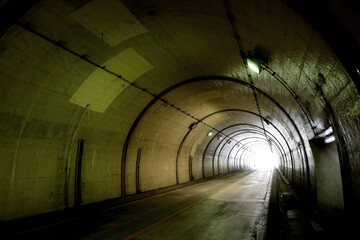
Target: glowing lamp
<point x="329" y="139"/>
<point x="254" y="65"/>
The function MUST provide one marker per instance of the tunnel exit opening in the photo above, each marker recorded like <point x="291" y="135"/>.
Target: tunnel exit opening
<point x="263" y="158"/>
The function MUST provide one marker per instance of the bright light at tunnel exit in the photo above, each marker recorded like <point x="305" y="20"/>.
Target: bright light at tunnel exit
<point x="264" y="159"/>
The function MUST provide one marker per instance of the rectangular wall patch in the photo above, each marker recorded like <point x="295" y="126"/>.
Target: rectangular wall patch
<point x="109" y="20"/>
<point x="101" y="88"/>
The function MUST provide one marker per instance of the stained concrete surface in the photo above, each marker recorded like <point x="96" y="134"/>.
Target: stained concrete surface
<point x="229" y="207"/>
<point x="50" y="54"/>
<point x="299" y="222"/>
<point x="232" y="213"/>
<point x="328" y="176"/>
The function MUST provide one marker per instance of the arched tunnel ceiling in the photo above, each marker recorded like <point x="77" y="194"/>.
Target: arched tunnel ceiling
<point x="130" y="77"/>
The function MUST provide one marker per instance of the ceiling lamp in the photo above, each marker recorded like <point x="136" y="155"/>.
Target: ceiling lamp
<point x="328" y="131"/>
<point x="329" y="139"/>
<point x="193" y="125"/>
<point x="254" y="65"/>
<point x="210" y="133"/>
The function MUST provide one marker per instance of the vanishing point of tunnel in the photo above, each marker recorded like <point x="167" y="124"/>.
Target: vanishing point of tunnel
<point x="179" y="119"/>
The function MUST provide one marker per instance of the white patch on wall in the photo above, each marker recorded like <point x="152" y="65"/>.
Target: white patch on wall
<point x="101" y="88"/>
<point x="109" y="20"/>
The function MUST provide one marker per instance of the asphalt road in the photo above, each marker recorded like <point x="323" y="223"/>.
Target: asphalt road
<point x="230" y="207"/>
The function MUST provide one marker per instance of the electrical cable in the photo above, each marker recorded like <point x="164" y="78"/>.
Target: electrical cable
<point x="59" y="44"/>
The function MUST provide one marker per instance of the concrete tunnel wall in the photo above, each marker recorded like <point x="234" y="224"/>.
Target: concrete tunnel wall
<point x="42" y="121"/>
<point x="328" y="175"/>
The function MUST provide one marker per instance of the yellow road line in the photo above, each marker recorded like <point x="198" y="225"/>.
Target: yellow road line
<point x="176" y="213"/>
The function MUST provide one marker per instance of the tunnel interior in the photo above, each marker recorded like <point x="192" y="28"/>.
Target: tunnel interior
<point x="106" y="99"/>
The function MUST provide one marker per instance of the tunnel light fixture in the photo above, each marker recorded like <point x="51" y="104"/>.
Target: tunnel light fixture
<point x="254" y="65"/>
<point x="329" y="139"/>
<point x="210" y="133"/>
<point x="193" y="125"/>
<point x="326" y="132"/>
<point x="220" y="137"/>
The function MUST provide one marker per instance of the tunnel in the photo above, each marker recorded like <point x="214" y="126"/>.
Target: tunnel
<point x="108" y="105"/>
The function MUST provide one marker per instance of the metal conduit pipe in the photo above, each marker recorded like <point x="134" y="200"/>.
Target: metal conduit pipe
<point x="278" y="143"/>
<point x="203" y="160"/>
<point x="286" y="142"/>
<point x="189" y="81"/>
<point x="223" y="143"/>
<point x="245" y="131"/>
<point x="219" y="154"/>
<point x="260" y="133"/>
